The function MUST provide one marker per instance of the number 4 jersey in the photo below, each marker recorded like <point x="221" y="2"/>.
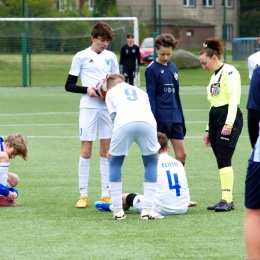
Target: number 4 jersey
<point x="172" y="192"/>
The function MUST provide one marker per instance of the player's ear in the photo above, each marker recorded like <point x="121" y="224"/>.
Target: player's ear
<point x="168" y="149"/>
<point x="6" y="144"/>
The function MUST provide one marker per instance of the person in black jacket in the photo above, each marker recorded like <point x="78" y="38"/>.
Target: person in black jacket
<point x="129" y="59"/>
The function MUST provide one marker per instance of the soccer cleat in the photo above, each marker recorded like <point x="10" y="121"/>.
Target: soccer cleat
<point x="102" y="206"/>
<point x="82" y="202"/>
<point x="192" y="204"/>
<point x="5" y="202"/>
<point x="106" y="199"/>
<point x="119" y="214"/>
<point x="150" y="214"/>
<point x="223" y="205"/>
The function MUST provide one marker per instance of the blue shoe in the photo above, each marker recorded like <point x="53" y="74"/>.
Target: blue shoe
<point x="102" y="206"/>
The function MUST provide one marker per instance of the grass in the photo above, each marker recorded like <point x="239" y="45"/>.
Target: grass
<point x="47" y="226"/>
<point x="52" y="70"/>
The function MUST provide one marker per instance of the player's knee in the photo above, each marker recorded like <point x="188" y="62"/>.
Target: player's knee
<point x="12" y="179"/>
<point x="181" y="156"/>
<point x="85" y="154"/>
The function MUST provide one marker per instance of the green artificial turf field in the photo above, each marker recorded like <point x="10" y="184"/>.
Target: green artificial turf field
<point x="48" y="226"/>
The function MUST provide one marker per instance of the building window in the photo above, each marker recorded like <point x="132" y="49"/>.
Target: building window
<point x="227" y="32"/>
<point x="228" y="3"/>
<point x="64" y="5"/>
<point x="189" y="33"/>
<point x="208" y="3"/>
<point x="189" y="3"/>
<point x="91" y="5"/>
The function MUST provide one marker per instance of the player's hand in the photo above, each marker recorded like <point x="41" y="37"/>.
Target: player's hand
<point x="108" y="155"/>
<point x="92" y="92"/>
<point x="12" y="195"/>
<point x="206" y="139"/>
<point x="226" y="130"/>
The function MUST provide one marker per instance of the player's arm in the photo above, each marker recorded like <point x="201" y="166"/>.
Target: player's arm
<point x="4" y="190"/>
<point x="150" y="88"/>
<point x="71" y="85"/>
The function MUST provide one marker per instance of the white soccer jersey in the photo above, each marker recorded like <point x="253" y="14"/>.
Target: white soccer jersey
<point x="253" y="61"/>
<point x="172" y="192"/>
<point x="130" y="103"/>
<point x="91" y="67"/>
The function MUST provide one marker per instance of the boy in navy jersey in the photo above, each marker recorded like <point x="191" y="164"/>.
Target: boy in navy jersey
<point x="163" y="90"/>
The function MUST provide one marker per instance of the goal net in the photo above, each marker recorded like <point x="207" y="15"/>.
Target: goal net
<point x="38" y="51"/>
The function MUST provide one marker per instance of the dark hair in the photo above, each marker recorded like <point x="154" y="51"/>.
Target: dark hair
<point x="213" y="46"/>
<point x="163" y="141"/>
<point x="104" y="31"/>
<point x="129" y="35"/>
<point x="165" y="40"/>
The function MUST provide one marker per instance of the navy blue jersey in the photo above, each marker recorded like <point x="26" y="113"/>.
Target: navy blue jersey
<point x="163" y="90"/>
<point x="253" y="101"/>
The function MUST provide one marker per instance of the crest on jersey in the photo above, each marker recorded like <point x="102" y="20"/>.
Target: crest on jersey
<point x="215" y="89"/>
<point x="107" y="62"/>
<point x="176" y="76"/>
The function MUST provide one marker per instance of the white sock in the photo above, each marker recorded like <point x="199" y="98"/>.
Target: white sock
<point x="104" y="172"/>
<point x="116" y="194"/>
<point x="149" y="193"/>
<point x="3" y="173"/>
<point x="83" y="173"/>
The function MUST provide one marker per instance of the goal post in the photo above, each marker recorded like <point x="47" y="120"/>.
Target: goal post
<point x="37" y="44"/>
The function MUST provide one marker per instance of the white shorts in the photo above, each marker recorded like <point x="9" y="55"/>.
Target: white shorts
<point x="137" y="203"/>
<point x="140" y="132"/>
<point x="93" y="121"/>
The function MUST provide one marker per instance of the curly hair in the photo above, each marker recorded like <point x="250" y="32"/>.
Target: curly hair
<point x="19" y="143"/>
<point x="104" y="31"/>
<point x="213" y="46"/>
<point x="165" y="40"/>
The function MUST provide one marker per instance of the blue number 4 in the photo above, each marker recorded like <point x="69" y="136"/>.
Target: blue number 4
<point x="177" y="186"/>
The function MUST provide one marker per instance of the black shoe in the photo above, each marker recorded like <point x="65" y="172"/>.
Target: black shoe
<point x="223" y="205"/>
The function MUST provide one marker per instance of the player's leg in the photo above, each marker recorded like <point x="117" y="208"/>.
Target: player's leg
<point x="12" y="179"/>
<point x="131" y="76"/>
<point x="104" y="133"/>
<point x="252" y="210"/>
<point x="120" y="143"/>
<point x="251" y="233"/>
<point x="88" y="128"/>
<point x="177" y="140"/>
<point x="146" y="138"/>
<point x="179" y="150"/>
<point x="125" y="73"/>
<point x="125" y="201"/>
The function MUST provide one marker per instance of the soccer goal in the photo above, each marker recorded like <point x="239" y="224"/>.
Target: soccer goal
<point x="38" y="51"/>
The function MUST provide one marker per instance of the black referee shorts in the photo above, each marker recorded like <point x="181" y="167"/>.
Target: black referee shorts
<point x="217" y="119"/>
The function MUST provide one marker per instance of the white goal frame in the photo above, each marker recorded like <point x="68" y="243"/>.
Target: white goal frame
<point x="134" y="19"/>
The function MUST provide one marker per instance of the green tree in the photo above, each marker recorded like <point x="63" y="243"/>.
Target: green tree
<point x="105" y="8"/>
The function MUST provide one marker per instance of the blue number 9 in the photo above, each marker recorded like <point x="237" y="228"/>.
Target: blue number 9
<point x="131" y="94"/>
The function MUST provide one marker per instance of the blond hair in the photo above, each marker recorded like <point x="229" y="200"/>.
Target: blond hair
<point x="114" y="79"/>
<point x="19" y="143"/>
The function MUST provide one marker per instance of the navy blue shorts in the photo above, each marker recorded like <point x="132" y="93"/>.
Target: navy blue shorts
<point x="252" y="185"/>
<point x="171" y="130"/>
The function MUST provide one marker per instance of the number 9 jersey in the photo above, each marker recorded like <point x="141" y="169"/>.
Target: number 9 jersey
<point x="130" y="104"/>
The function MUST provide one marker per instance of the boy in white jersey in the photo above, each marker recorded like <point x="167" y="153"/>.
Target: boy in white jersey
<point x="14" y="145"/>
<point x="172" y="193"/>
<point x="133" y="121"/>
<point x="253" y="61"/>
<point x="92" y="65"/>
